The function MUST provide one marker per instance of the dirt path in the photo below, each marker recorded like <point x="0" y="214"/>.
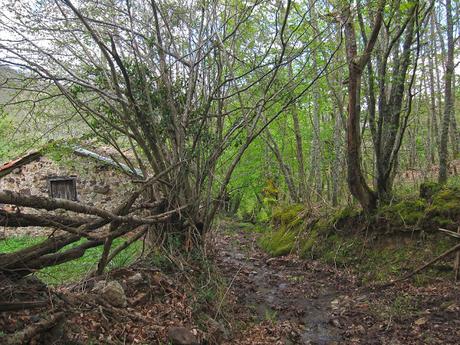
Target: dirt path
<point x="287" y="300"/>
<point x="291" y="299"/>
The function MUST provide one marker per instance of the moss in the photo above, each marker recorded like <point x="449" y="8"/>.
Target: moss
<point x="308" y="243"/>
<point x="345" y="214"/>
<point x="284" y="237"/>
<point x="287" y="215"/>
<point x="279" y="242"/>
<point x="340" y="250"/>
<point x="444" y="209"/>
<point x="404" y="213"/>
<point x="270" y="190"/>
<point x="308" y="240"/>
<point x="375" y="257"/>
<point x="429" y="189"/>
<point x="57" y="152"/>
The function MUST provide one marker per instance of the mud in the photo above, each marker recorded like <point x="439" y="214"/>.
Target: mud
<point x="280" y="289"/>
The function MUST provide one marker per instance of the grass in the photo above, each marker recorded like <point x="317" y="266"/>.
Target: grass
<point x="76" y="269"/>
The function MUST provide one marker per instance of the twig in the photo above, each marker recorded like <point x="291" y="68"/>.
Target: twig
<point x="421" y="268"/>
<point x="226" y="292"/>
<point x="450" y="233"/>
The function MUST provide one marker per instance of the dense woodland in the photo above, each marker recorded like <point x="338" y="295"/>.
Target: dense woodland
<point x="312" y="121"/>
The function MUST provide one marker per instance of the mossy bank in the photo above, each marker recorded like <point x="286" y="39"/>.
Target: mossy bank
<point x="395" y="239"/>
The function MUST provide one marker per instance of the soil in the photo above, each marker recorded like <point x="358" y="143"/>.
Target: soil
<point x="287" y="294"/>
<point x="288" y="300"/>
<point x="284" y="300"/>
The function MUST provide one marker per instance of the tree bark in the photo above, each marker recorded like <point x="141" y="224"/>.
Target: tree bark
<point x="448" y="98"/>
<point x="356" y="180"/>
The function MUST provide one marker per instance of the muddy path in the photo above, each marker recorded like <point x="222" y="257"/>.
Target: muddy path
<point x="285" y="295"/>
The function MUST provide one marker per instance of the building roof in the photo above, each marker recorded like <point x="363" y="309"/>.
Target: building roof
<point x="8" y="167"/>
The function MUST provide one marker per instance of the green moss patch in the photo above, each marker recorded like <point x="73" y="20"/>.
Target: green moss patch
<point x="279" y="242"/>
<point x="444" y="209"/>
<point x="383" y="258"/>
<point x="405" y="213"/>
<point x="398" y="238"/>
<point x="286" y="227"/>
<point x="287" y="215"/>
<point x="429" y="189"/>
<point x="291" y="232"/>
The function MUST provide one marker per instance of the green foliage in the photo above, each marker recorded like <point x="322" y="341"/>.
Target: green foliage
<point x="11" y="146"/>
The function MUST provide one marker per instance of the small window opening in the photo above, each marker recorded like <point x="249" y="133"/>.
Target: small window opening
<point x="63" y="187"/>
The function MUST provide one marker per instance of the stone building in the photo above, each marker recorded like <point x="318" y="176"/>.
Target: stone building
<point x="75" y="174"/>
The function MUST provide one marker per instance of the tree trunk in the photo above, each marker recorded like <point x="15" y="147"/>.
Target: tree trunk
<point x="316" y="141"/>
<point x="448" y="99"/>
<point x="356" y="180"/>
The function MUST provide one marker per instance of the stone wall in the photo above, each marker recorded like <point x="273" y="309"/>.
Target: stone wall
<point x="98" y="184"/>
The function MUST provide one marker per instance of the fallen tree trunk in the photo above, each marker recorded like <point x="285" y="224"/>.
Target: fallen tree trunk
<point x="20" y="219"/>
<point x="51" y="204"/>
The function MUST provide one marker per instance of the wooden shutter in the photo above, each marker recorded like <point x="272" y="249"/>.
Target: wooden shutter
<point x="63" y="188"/>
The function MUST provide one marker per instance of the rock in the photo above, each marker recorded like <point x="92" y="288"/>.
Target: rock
<point x="216" y="332"/>
<point x="101" y="189"/>
<point x="335" y="304"/>
<point x="360" y="329"/>
<point x="421" y="321"/>
<point x="182" y="336"/>
<point x="335" y="323"/>
<point x="98" y="286"/>
<point x="135" y="279"/>
<point x="114" y="294"/>
<point x="139" y="298"/>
